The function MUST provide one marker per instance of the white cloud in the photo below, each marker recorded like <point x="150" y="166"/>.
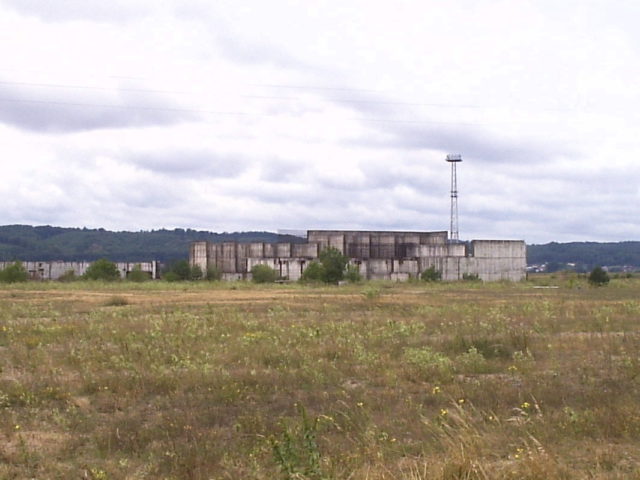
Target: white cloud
<point x="260" y="115"/>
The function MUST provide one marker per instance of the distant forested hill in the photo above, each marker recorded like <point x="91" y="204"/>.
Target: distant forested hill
<point x="585" y="254"/>
<point x="24" y="242"/>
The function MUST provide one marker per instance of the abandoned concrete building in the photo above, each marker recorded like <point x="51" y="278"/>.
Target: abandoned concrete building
<point x="379" y="255"/>
<point x="56" y="269"/>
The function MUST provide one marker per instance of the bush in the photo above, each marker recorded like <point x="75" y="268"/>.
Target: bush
<point x="598" y="277"/>
<point x="472" y="361"/>
<point x="14" y="273"/>
<point x="213" y="274"/>
<point x="102" y="269"/>
<point x="195" y="273"/>
<point x="426" y="364"/>
<point x="331" y="267"/>
<point x="352" y="274"/>
<point x="334" y="264"/>
<point x="180" y="270"/>
<point x="171" y="277"/>
<point x="431" y="275"/>
<point x="116" y="301"/>
<point x="263" y="274"/>
<point x="371" y="292"/>
<point x="68" y="276"/>
<point x="313" y="273"/>
<point x="137" y="275"/>
<point x="471" y="277"/>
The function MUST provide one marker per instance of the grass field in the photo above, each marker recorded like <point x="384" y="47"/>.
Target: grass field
<point x="372" y="381"/>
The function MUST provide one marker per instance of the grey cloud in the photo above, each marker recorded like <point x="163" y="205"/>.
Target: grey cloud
<point x="190" y="163"/>
<point x="281" y="170"/>
<point x="67" y="110"/>
<point x="281" y="195"/>
<point x="400" y="127"/>
<point x="402" y="173"/>
<point x="364" y="101"/>
<point x="466" y="140"/>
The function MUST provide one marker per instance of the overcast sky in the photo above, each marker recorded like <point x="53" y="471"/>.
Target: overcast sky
<point x="266" y="115"/>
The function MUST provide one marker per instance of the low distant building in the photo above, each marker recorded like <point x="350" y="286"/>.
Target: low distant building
<point x="377" y="255"/>
<point x="56" y="269"/>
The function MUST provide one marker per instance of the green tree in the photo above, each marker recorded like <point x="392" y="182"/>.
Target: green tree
<point x="313" y="273"/>
<point x="263" y="274"/>
<point x="334" y="264"/>
<point x="431" y="275"/>
<point x="14" y="273"/>
<point x="181" y="270"/>
<point x="102" y="269"/>
<point x="598" y="277"/>
<point x="178" y="270"/>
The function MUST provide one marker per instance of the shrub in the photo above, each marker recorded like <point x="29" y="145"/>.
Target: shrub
<point x="598" y="277"/>
<point x="116" y="301"/>
<point x="472" y="361"/>
<point x="352" y="274"/>
<point x="313" y="273"/>
<point x="181" y="270"/>
<point x="195" y="273"/>
<point x="331" y="267"/>
<point x="263" y="274"/>
<point x="14" y="273"/>
<point x="68" y="276"/>
<point x="371" y="292"/>
<point x="213" y="274"/>
<point x="471" y="277"/>
<point x="296" y="450"/>
<point x="171" y="277"/>
<point x="431" y="275"/>
<point x="427" y="364"/>
<point x="137" y="275"/>
<point x="102" y="269"/>
<point x="334" y="264"/>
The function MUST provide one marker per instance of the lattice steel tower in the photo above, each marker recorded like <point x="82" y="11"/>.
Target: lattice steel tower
<point x="454" y="159"/>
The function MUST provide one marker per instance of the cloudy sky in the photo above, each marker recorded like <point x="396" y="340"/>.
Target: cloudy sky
<point x="266" y="115"/>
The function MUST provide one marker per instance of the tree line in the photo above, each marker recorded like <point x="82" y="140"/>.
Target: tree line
<point x="584" y="255"/>
<point x="46" y="243"/>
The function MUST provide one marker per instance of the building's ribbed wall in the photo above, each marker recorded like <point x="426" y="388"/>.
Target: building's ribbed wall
<point x="378" y="255"/>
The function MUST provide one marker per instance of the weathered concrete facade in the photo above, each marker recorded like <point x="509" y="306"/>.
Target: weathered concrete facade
<point x="378" y="255"/>
<point x="55" y="270"/>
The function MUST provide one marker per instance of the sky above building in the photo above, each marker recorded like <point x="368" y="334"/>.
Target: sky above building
<point x="267" y="115"/>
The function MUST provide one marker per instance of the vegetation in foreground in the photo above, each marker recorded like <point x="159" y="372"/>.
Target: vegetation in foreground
<point x="377" y="381"/>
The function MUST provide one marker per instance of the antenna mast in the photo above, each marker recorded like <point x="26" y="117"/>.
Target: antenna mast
<point x="454" y="159"/>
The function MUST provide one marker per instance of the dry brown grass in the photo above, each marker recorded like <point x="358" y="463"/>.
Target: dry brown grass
<point x="379" y="381"/>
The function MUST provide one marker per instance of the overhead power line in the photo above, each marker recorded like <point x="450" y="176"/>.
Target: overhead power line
<point x="218" y="112"/>
<point x="357" y="101"/>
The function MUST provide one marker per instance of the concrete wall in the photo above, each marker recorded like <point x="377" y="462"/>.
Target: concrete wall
<point x="305" y="250"/>
<point x="498" y="248"/>
<point x="198" y="255"/>
<point x="286" y="268"/>
<point x="55" y="270"/>
<point x="378" y="255"/>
